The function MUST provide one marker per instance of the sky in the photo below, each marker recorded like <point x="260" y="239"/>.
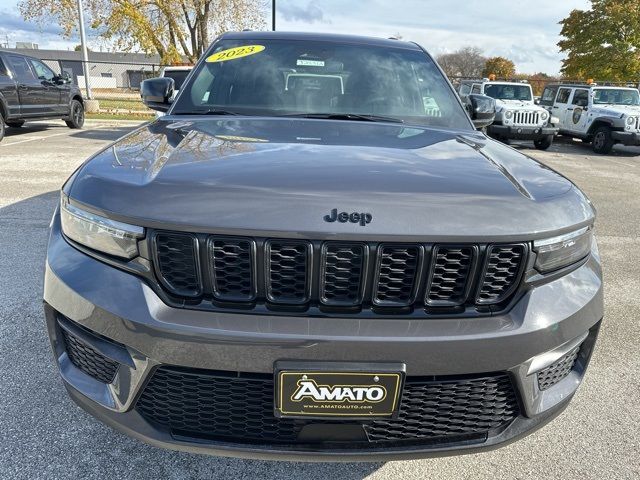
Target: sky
<point x="510" y="28"/>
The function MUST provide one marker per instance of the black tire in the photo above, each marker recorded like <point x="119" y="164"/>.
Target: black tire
<point x="76" y="117"/>
<point x="544" y="143"/>
<point x="603" y="142"/>
<point x="1" y="127"/>
<point x="15" y="123"/>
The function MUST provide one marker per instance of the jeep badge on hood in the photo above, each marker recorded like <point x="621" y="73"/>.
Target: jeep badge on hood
<point x="344" y="217"/>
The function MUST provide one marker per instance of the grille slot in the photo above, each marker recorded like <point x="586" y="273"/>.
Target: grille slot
<point x="176" y="259"/>
<point x="551" y="375"/>
<point x="239" y="408"/>
<point x="288" y="267"/>
<point x="88" y="359"/>
<point x="232" y="266"/>
<point x="451" y="274"/>
<point x="502" y="272"/>
<point x="396" y="278"/>
<point x="343" y="270"/>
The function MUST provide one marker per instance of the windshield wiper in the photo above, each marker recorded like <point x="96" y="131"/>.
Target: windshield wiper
<point x="208" y="111"/>
<point x="346" y="116"/>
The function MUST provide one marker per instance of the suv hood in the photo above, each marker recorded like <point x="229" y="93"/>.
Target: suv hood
<point x="281" y="176"/>
<point x="617" y="110"/>
<point x="516" y="104"/>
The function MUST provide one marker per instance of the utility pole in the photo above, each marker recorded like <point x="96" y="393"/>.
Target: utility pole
<point x="273" y="15"/>
<point x="85" y="55"/>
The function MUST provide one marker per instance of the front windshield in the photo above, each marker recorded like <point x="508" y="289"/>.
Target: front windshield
<point x="616" y="96"/>
<point x="277" y="78"/>
<point x="508" y="92"/>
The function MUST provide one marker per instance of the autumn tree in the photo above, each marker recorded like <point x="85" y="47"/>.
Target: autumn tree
<point x="465" y="62"/>
<point x="603" y="42"/>
<point x="169" y="28"/>
<point x="500" y="67"/>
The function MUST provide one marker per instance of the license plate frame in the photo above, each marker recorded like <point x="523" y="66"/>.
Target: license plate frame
<point x="337" y="390"/>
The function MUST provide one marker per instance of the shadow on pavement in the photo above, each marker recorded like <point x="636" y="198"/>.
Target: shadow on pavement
<point x="43" y="425"/>
<point x="103" y="133"/>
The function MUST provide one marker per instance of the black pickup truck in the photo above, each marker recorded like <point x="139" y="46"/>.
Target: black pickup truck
<point x="29" y="90"/>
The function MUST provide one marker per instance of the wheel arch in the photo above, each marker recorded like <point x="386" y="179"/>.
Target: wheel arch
<point x="600" y="122"/>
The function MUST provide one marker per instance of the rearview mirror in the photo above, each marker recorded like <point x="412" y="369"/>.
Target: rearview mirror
<point x="481" y="109"/>
<point x="156" y="93"/>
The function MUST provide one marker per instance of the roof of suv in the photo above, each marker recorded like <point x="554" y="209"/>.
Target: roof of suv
<point x="589" y="86"/>
<point x="324" y="37"/>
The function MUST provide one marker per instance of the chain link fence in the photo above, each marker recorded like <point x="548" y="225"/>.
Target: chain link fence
<point x="116" y="85"/>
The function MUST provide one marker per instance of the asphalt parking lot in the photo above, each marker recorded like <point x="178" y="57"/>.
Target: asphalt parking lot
<point x="44" y="435"/>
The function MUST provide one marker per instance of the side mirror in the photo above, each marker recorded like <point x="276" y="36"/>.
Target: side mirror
<point x="156" y="93"/>
<point x="481" y="109"/>
<point x="62" y="79"/>
<point x="536" y="101"/>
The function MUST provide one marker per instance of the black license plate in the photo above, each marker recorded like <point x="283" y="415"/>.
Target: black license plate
<point x="326" y="390"/>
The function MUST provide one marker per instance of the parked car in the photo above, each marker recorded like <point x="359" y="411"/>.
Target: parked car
<point x="600" y="115"/>
<point x="30" y="90"/>
<point x="178" y="74"/>
<point x="304" y="259"/>
<point x="517" y="116"/>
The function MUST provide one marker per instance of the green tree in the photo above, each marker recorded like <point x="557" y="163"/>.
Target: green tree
<point x="169" y="28"/>
<point x="500" y="67"/>
<point x="603" y="42"/>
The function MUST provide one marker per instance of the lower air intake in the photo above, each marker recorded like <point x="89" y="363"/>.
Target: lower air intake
<point x="551" y="375"/>
<point x="89" y="360"/>
<point x="238" y="408"/>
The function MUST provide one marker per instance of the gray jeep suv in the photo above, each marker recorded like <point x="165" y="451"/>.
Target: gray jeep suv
<point x="316" y="256"/>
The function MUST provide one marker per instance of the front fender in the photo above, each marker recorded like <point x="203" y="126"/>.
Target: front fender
<point x="600" y="121"/>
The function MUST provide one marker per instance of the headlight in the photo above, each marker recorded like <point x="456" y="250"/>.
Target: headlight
<point x="544" y="116"/>
<point x="508" y="114"/>
<point x="562" y="251"/>
<point x="631" y="120"/>
<point x="99" y="233"/>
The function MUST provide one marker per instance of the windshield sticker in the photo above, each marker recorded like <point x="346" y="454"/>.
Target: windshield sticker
<point x="234" y="53"/>
<point x="309" y="63"/>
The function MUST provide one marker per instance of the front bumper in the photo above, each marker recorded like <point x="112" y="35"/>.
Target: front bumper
<point x="521" y="133"/>
<point x="136" y="329"/>
<point x="630" y="139"/>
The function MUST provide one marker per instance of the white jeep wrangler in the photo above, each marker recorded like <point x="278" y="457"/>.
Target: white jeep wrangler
<point x="602" y="116"/>
<point x="517" y="116"/>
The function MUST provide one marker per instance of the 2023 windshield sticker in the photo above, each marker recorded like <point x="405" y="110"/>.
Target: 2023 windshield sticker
<point x="235" y="53"/>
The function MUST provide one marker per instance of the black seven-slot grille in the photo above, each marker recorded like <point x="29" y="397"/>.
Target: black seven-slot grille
<point x="334" y="274"/>
<point x="239" y="408"/>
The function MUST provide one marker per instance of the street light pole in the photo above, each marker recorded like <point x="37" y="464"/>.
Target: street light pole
<point x="85" y="55"/>
<point x="273" y="15"/>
